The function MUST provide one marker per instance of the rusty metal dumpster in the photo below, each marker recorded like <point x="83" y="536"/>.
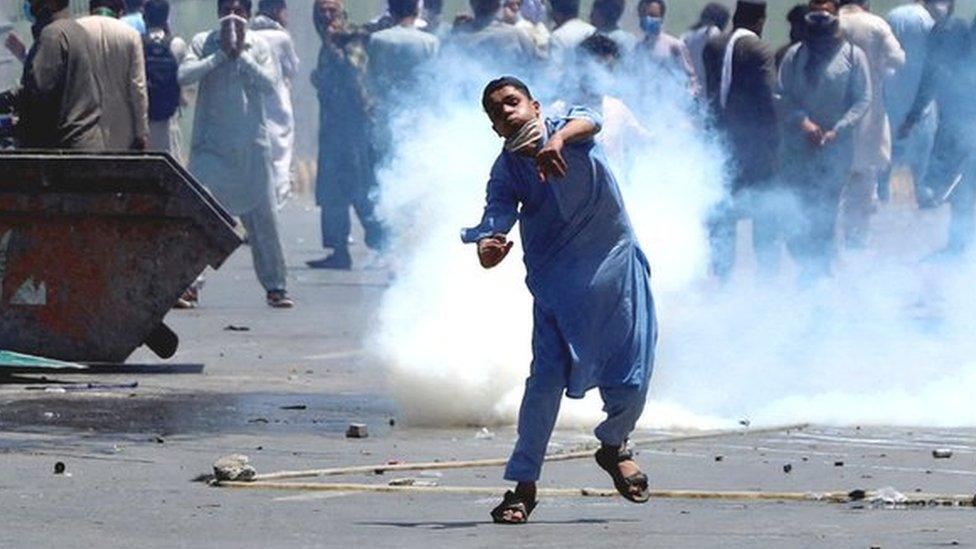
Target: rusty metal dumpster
<point x="95" y="249"/>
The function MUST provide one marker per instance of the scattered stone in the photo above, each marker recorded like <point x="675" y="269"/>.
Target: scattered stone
<point x="235" y="328"/>
<point x="788" y="468"/>
<point x="159" y="440"/>
<point x="838" y="464"/>
<point x="412" y="482"/>
<point x="484" y="433"/>
<point x="59" y="468"/>
<point x="430" y="474"/>
<point x="745" y="422"/>
<point x="942" y="453"/>
<point x="719" y="458"/>
<point x="356" y="430"/>
<point x="804" y="458"/>
<point x="392" y="422"/>
<point x="857" y="495"/>
<point x="233" y="467"/>
<point x="295" y="407"/>
<point x="258" y="420"/>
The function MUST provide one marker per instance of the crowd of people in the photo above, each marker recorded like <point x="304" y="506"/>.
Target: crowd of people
<point x="813" y="129"/>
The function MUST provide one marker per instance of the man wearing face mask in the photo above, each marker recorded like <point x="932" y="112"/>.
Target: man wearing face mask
<point x="231" y="152"/>
<point x="58" y="101"/>
<point x="825" y="86"/>
<point x="949" y="79"/>
<point x="594" y="324"/>
<point x="346" y="159"/>
<point x="659" y="50"/>
<point x="740" y="83"/>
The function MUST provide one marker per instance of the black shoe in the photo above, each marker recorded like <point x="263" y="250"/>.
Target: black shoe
<point x="339" y="260"/>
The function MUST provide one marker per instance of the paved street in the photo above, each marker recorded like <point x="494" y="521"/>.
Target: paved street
<point x="130" y="455"/>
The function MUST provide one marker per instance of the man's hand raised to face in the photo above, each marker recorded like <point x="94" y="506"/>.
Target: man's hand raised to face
<point x="493" y="249"/>
<point x="549" y="160"/>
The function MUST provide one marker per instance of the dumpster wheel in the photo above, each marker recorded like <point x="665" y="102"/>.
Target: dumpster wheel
<point x="163" y="341"/>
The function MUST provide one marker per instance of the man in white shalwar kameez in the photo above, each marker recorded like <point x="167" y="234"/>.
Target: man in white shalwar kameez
<point x="270" y="24"/>
<point x="230" y="152"/>
<point x="872" y="140"/>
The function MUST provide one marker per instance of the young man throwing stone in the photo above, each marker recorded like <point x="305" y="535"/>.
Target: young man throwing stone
<point x="593" y="309"/>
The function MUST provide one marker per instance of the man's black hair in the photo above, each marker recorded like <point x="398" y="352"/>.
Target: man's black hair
<point x="271" y="7"/>
<point x="600" y="46"/>
<point x="713" y="14"/>
<point x="662" y="3"/>
<point x="485" y="8"/>
<point x="611" y="10"/>
<point x="500" y="83"/>
<point x="400" y="9"/>
<point x="115" y="5"/>
<point x="245" y="3"/>
<point x="133" y="5"/>
<point x="861" y="3"/>
<point x="565" y="7"/>
<point x="797" y="13"/>
<point x="156" y="14"/>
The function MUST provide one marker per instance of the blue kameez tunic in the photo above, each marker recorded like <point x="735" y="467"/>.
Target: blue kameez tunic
<point x="593" y="308"/>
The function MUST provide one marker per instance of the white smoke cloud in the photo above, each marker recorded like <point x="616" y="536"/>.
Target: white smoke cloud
<point x="888" y="340"/>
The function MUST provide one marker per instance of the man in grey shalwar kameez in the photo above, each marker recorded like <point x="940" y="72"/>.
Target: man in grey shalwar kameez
<point x="230" y="152"/>
<point x="826" y="91"/>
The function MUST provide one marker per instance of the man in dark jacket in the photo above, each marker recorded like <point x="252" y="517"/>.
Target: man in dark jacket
<point x="740" y="77"/>
<point x="58" y="101"/>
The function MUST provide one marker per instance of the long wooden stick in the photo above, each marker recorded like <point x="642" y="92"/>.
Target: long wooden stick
<point x="827" y="497"/>
<point x="499" y="462"/>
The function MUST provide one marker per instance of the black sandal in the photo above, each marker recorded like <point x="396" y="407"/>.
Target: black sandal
<point x="513" y="502"/>
<point x="608" y="458"/>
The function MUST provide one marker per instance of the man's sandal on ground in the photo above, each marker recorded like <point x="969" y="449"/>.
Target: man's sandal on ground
<point x="513" y="503"/>
<point x="609" y="458"/>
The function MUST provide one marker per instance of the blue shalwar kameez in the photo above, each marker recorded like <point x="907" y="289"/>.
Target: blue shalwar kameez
<point x="594" y="323"/>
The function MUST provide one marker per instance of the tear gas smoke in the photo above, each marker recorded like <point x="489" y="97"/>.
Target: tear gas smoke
<point x="887" y="340"/>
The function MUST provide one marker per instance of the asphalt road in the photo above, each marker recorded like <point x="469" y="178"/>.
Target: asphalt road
<point x="130" y="454"/>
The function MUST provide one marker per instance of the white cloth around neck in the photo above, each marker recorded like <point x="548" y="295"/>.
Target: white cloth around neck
<point x="727" y="63"/>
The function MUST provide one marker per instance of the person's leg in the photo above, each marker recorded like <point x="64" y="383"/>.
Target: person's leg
<point x="261" y="224"/>
<point x="543" y="394"/>
<point x="722" y="238"/>
<point x="364" y="200"/>
<point x="962" y="220"/>
<point x="858" y="205"/>
<point x="623" y="406"/>
<point x="336" y="221"/>
<point x="765" y="231"/>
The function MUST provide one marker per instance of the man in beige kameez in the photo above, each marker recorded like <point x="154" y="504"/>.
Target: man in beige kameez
<point x="872" y="139"/>
<point x="119" y="69"/>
